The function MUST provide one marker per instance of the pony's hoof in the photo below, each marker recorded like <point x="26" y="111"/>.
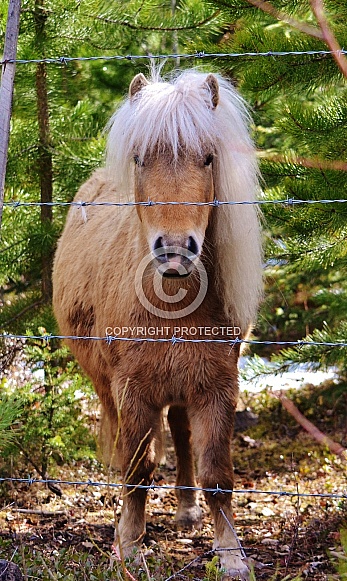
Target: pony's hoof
<point x="242" y="573"/>
<point x="129" y="551"/>
<point x="189" y="517"/>
<point x="234" y="567"/>
<point x="236" y="574"/>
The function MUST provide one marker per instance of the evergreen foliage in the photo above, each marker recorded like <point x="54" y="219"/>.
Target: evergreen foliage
<point x="10" y="410"/>
<point x="43" y="421"/>
<point x="300" y="115"/>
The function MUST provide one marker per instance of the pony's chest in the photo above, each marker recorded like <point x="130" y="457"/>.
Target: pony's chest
<point x="170" y="373"/>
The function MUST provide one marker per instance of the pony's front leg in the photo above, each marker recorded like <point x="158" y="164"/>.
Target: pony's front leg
<point x="140" y="426"/>
<point x="212" y="423"/>
<point x="188" y="513"/>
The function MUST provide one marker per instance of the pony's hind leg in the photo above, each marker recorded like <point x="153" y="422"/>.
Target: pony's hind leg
<point x="211" y="432"/>
<point x="188" y="513"/>
<point x="140" y="427"/>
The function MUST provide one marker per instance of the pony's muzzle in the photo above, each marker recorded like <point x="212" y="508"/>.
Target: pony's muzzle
<point x="175" y="257"/>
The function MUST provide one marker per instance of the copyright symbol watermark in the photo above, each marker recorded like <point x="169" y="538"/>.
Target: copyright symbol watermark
<point x="150" y="280"/>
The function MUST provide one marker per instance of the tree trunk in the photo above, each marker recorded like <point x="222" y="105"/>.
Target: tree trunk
<point x="45" y="161"/>
<point x="6" y="89"/>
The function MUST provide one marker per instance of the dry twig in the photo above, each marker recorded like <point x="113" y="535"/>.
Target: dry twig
<point x="302" y="26"/>
<point x="323" y="439"/>
<point x="328" y="35"/>
<point x="312" y="163"/>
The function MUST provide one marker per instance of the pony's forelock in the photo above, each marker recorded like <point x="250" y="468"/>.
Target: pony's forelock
<point x="164" y="116"/>
<point x="178" y="116"/>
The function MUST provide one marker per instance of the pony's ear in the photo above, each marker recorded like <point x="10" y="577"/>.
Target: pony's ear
<point x="212" y="83"/>
<point x="138" y="82"/>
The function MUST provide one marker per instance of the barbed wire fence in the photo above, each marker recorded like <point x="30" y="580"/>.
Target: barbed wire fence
<point x="86" y="484"/>
<point x="64" y="60"/>
<point x="215" y="203"/>
<point x="174" y="339"/>
<point x="168" y="487"/>
<point x="114" y="555"/>
<point x="9" y="61"/>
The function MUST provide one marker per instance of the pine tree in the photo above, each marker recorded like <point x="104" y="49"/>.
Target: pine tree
<point x="300" y="116"/>
<point x="39" y="158"/>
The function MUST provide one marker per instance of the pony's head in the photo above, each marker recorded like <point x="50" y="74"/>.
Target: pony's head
<point x="169" y="130"/>
<point x="188" y="141"/>
<point x="175" y="164"/>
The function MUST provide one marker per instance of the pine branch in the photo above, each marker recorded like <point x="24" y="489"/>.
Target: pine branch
<point x="80" y="40"/>
<point x="10" y="246"/>
<point x="23" y="311"/>
<point x="153" y="28"/>
<point x="10" y="411"/>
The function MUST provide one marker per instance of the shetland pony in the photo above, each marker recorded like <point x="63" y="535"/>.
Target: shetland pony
<point x="154" y="270"/>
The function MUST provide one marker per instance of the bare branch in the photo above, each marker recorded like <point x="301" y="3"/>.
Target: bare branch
<point x="39" y="512"/>
<point x="302" y="26"/>
<point x="323" y="439"/>
<point x="314" y="163"/>
<point x="328" y="35"/>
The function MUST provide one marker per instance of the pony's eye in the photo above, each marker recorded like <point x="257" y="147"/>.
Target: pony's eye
<point x="138" y="161"/>
<point x="209" y="159"/>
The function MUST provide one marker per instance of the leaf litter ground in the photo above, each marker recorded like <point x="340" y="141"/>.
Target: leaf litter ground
<point x="70" y="537"/>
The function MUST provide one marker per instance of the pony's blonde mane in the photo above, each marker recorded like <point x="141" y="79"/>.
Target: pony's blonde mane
<point x="178" y="115"/>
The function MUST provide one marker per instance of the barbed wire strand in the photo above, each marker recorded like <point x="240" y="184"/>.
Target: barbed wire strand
<point x="240" y="547"/>
<point x="64" y="60"/>
<point x="174" y="340"/>
<point x="30" y="481"/>
<point x="215" y="203"/>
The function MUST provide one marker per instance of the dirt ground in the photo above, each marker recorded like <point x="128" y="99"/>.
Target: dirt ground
<point x="70" y="537"/>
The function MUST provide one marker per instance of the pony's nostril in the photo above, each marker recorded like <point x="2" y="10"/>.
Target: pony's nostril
<point x="158" y="244"/>
<point x="178" y="249"/>
<point x="192" y="246"/>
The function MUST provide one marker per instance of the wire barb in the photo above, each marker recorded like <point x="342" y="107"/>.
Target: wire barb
<point x="218" y="490"/>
